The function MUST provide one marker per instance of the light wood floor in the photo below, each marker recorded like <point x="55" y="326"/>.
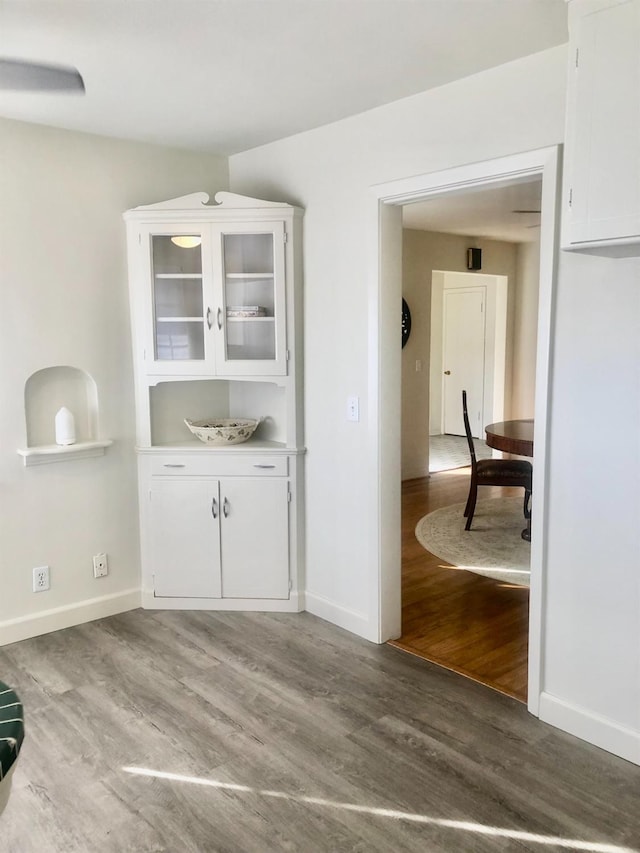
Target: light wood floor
<point x="259" y="733"/>
<point x="473" y="625"/>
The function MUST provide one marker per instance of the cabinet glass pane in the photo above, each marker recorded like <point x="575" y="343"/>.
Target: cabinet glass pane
<point x="249" y="296"/>
<point x="177" y="298"/>
<point x="179" y="340"/>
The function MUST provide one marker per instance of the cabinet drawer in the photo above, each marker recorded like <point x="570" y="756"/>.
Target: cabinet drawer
<point x="220" y="466"/>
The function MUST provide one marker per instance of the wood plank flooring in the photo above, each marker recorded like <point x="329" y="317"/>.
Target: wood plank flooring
<point x="473" y="625"/>
<point x="251" y="733"/>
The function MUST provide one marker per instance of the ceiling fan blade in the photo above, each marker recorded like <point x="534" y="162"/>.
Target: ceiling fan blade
<point x="22" y="76"/>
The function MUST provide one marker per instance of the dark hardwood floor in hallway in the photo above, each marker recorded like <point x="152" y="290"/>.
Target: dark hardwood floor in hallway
<point x="472" y="625"/>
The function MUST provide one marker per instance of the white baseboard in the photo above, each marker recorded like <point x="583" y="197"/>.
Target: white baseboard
<point x="350" y="620"/>
<point x="14" y="630"/>
<point x="600" y="731"/>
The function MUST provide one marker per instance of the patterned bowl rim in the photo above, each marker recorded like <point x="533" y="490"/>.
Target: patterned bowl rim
<point x="222" y="423"/>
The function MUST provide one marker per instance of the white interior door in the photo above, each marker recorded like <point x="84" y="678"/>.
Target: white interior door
<point x="463" y="357"/>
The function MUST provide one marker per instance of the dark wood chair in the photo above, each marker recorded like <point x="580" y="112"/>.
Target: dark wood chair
<point x="494" y="472"/>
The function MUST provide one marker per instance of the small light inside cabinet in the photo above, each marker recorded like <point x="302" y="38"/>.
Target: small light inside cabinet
<point x="186" y="241"/>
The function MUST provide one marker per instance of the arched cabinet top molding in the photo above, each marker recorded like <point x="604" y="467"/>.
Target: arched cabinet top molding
<point x="45" y="392"/>
<point x="192" y="207"/>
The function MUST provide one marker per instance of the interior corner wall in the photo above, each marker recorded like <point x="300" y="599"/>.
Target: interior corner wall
<point x="63" y="280"/>
<point x="423" y="252"/>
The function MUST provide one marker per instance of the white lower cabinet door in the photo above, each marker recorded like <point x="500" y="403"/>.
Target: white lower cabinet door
<point x="185" y="538"/>
<point x="255" y="538"/>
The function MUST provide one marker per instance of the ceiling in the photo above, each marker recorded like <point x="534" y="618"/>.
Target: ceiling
<point x="224" y="76"/>
<point x="510" y="213"/>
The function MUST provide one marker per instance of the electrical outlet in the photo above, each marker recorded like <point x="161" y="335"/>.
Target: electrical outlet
<point x="41" y="579"/>
<point x="353" y="408"/>
<point x="100" y="566"/>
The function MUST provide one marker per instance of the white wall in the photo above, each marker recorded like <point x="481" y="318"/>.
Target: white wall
<point x="593" y="593"/>
<point x="64" y="302"/>
<point x="591" y="627"/>
<point x="525" y="331"/>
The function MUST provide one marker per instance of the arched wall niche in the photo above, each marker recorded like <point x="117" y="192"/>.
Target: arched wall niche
<point x="47" y="390"/>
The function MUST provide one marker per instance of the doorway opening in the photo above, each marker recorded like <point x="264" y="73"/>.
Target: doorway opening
<point x="453" y="614"/>
<point x="390" y="198"/>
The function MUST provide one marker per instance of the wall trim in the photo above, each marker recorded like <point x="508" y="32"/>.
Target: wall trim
<point x="601" y="731"/>
<point x="350" y="620"/>
<point x="33" y="625"/>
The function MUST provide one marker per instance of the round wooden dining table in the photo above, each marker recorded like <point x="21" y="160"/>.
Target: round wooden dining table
<point x="513" y="437"/>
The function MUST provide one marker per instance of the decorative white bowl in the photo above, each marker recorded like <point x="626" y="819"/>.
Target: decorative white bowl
<point x="223" y="430"/>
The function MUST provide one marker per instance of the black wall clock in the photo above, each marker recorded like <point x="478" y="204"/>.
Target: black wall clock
<point x="406" y="322"/>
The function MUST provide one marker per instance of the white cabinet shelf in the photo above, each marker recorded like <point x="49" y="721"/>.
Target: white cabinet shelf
<point x="249" y="275"/>
<point x="250" y="319"/>
<point x="57" y="453"/>
<point x="178" y="319"/>
<point x="179" y="275"/>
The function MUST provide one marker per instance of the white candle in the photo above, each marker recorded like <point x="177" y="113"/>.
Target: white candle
<point x="65" y="427"/>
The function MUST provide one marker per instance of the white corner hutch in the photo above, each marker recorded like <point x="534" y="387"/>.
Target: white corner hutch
<point x="215" y="292"/>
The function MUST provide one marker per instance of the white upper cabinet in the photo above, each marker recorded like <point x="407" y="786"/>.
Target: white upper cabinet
<point x="602" y="158"/>
<point x="210" y="287"/>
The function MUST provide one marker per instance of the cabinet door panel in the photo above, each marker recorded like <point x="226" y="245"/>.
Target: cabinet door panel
<point x="185" y="538"/>
<point x="252" y="319"/>
<point x="255" y="538"/>
<point x="178" y="304"/>
<point x="603" y="154"/>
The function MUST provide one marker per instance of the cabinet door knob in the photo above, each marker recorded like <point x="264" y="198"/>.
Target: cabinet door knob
<point x="209" y="317"/>
<point x="447" y="373"/>
<point x="220" y="318"/>
<point x="214" y="507"/>
<point x="225" y="508"/>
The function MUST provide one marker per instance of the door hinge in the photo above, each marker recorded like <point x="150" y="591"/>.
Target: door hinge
<point x="144" y="355"/>
<point x="285" y="236"/>
<point x="481" y="307"/>
<point x="570" y="196"/>
<point x="288" y="355"/>
<point x="139" y="239"/>
<point x="577" y="56"/>
<point x="288" y="495"/>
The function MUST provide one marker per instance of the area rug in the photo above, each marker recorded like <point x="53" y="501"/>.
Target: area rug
<point x="492" y="548"/>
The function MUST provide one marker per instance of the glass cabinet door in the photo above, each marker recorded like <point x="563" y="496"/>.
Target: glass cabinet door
<point x="179" y="313"/>
<point x="253" y="300"/>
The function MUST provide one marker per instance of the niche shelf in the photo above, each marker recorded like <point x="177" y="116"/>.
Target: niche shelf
<point x="45" y="392"/>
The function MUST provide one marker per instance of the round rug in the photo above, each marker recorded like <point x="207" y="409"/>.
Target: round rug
<point x="493" y="547"/>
